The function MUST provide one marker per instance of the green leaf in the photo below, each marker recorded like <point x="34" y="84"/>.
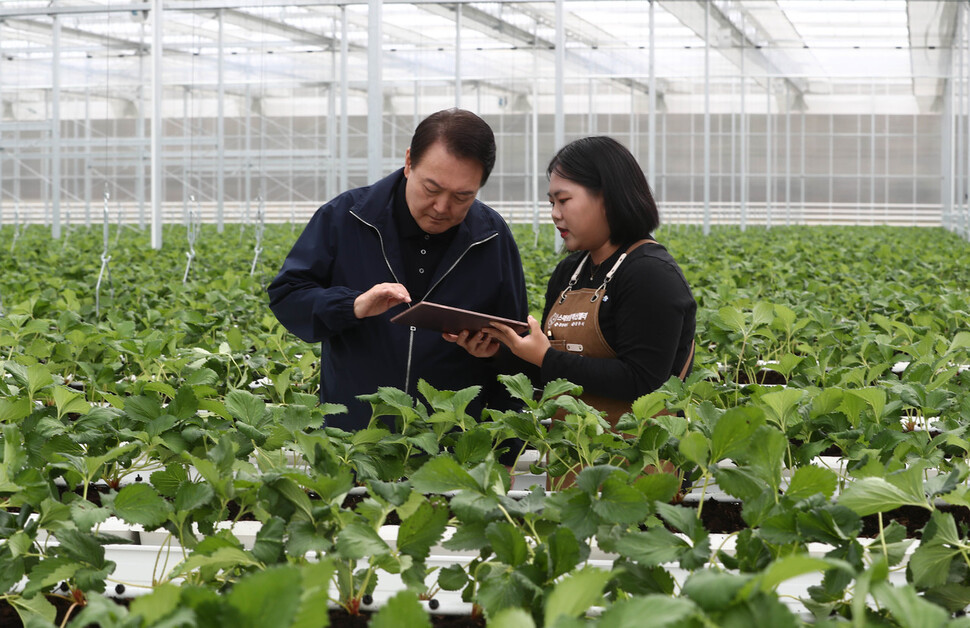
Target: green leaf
<point x="512" y="618"/>
<point x="714" y="591"/>
<point x="33" y="607"/>
<point x="780" y="406"/>
<point x="695" y="448"/>
<point x="733" y="431"/>
<point x="223" y="558"/>
<point x="48" y="573"/>
<point x="653" y="547"/>
<point x="810" y="480"/>
<point x="930" y="564"/>
<point x="873" y="494"/>
<point x="452" y="578"/>
<point x="14" y="411"/>
<point x="575" y="593"/>
<point x="907" y="607"/>
<point x="421" y="530"/>
<point x="650" y="404"/>
<point x="162" y="600"/>
<point x="268" y="598"/>
<point x="508" y="543"/>
<point x="789" y="567"/>
<point x="38" y="377"/>
<point x="403" y="610"/>
<point x="658" y="486"/>
<point x="654" y="610"/>
<point x="191" y="495"/>
<point x="316" y="596"/>
<point x="442" y="474"/>
<point x="358" y="541"/>
<point x="621" y="503"/>
<point x="141" y="503"/>
<point x="246" y="407"/>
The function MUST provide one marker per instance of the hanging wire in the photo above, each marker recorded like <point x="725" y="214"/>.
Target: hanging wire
<point x="192" y="227"/>
<point x="260" y="225"/>
<point x="105" y="258"/>
<point x="16" y="224"/>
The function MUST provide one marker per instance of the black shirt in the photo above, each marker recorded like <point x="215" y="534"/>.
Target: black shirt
<point x="421" y="252"/>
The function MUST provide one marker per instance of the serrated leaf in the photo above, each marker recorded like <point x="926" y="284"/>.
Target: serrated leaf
<point x="402" y="610"/>
<point x="442" y="474"/>
<point x="140" y="503"/>
<point x="575" y="593"/>
<point x="221" y="559"/>
<point x="246" y="407"/>
<point x="358" y="541"/>
<point x="191" y="495"/>
<point x="422" y="530"/>
<point x="268" y="598"/>
<point x="163" y="599"/>
<point x="512" y="618"/>
<point x="695" y="448"/>
<point x="634" y="612"/>
<point x="810" y="480"/>
<point x="732" y="432"/>
<point x="873" y="494"/>
<point x="508" y="543"/>
<point x="908" y="608"/>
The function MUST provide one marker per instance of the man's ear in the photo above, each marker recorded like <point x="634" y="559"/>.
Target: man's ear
<point x="407" y="162"/>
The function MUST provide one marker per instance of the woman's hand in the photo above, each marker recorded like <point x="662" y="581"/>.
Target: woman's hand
<point x="380" y="299"/>
<point x="479" y="344"/>
<point x="531" y="348"/>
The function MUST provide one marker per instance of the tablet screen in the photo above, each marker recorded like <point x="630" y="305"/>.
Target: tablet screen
<point x="452" y="320"/>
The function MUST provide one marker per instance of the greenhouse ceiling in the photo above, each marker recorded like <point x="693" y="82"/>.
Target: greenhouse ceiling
<point x="830" y="55"/>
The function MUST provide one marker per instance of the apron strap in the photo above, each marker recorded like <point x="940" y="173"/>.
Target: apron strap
<point x="690" y="357"/>
<point x="609" y="275"/>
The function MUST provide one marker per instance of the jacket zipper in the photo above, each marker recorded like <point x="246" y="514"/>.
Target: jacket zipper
<point x="407" y="371"/>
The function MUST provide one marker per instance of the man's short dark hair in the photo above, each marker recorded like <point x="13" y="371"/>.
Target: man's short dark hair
<point x="463" y="133"/>
<point x="605" y="167"/>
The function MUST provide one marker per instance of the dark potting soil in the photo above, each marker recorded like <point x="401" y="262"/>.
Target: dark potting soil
<point x="725" y="517"/>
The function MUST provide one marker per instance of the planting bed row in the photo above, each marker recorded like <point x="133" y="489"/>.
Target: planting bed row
<point x="817" y="453"/>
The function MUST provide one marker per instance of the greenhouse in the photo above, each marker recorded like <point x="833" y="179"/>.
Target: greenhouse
<point x="206" y="235"/>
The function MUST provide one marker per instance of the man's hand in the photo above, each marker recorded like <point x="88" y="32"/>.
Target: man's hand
<point x="479" y="344"/>
<point x="531" y="348"/>
<point x="380" y="299"/>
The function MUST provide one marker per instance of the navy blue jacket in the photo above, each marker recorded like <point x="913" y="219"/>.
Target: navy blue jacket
<point x="350" y="245"/>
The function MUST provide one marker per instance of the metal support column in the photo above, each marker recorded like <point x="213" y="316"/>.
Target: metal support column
<point x="87" y="153"/>
<point x="375" y="94"/>
<point x="220" y="130"/>
<point x="744" y="143"/>
<point x="158" y="190"/>
<point x="652" y="105"/>
<point x="559" y="128"/>
<point x="140" y="132"/>
<point x="56" y="127"/>
<point x="458" y="55"/>
<point x="707" y="119"/>
<point x="768" y="153"/>
<point x="946" y="153"/>
<point x="344" y="124"/>
<point x="787" y="155"/>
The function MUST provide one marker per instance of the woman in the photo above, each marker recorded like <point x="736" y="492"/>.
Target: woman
<point x="619" y="318"/>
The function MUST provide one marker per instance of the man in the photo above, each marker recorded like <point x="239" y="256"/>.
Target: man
<point x="418" y="234"/>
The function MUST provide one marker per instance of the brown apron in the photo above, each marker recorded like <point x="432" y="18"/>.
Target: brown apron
<point x="573" y="326"/>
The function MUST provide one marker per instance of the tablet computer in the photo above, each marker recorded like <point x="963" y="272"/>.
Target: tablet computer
<point x="452" y="320"/>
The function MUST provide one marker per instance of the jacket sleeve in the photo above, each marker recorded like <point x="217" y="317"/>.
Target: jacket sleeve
<point x="302" y="295"/>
